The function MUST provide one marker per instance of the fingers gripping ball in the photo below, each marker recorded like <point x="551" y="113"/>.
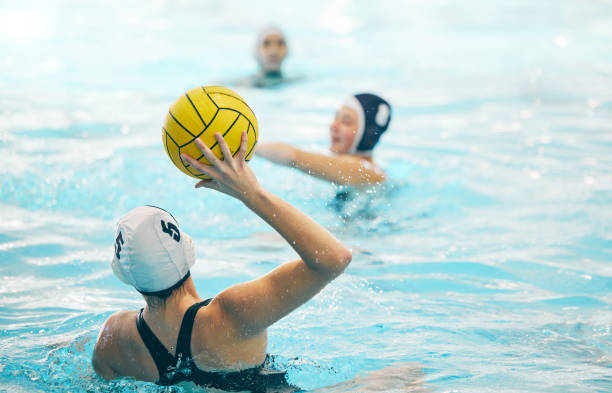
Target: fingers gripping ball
<point x="200" y="113"/>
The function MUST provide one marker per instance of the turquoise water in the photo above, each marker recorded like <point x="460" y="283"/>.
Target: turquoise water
<point x="486" y="259"/>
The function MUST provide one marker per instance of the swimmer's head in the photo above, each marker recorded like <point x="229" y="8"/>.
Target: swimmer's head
<point x="359" y="123"/>
<point x="271" y="49"/>
<point x="151" y="253"/>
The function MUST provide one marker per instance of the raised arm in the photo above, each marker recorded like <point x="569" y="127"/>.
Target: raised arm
<point x="345" y="169"/>
<point x="257" y="304"/>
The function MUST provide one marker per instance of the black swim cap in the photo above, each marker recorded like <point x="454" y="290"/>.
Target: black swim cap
<point x="374" y="116"/>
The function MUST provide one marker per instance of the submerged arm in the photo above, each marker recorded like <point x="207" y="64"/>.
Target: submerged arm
<point x="346" y="169"/>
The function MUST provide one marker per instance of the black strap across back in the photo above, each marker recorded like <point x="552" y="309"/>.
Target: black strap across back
<point x="181" y="367"/>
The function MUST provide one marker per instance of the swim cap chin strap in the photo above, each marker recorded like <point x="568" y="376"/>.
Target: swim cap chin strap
<point x="373" y="118"/>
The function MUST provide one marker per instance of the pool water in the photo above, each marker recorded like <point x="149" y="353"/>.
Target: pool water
<point x="485" y="259"/>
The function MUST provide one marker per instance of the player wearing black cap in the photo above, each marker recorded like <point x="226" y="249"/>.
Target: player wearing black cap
<point x="355" y="131"/>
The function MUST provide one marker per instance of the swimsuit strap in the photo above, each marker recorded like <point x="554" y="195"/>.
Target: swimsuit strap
<point x="181" y="367"/>
<point x="183" y="342"/>
<point x="162" y="358"/>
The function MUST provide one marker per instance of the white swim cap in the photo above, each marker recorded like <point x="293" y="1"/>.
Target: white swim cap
<point x="264" y="32"/>
<point x="151" y="253"/>
<point x="261" y="37"/>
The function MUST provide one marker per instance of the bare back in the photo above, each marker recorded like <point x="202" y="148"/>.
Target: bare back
<point x="214" y="345"/>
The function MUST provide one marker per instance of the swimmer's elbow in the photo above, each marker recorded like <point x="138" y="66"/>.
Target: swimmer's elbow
<point x="342" y="259"/>
<point x="297" y="158"/>
<point x="346" y="256"/>
<point x="334" y="263"/>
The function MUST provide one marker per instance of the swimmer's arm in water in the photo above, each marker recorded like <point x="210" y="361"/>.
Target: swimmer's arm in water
<point x="105" y="350"/>
<point x="343" y="169"/>
<point x="253" y="306"/>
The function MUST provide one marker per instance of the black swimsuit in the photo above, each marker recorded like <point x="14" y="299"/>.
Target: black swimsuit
<point x="181" y="367"/>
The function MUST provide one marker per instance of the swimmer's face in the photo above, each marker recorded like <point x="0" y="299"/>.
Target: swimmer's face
<point x="343" y="130"/>
<point x="271" y="52"/>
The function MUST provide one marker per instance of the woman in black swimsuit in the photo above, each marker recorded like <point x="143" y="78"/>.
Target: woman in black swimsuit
<point x="219" y="342"/>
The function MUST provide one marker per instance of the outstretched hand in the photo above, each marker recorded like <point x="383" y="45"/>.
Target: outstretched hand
<point x="231" y="175"/>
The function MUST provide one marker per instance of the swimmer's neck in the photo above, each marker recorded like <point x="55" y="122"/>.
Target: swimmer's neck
<point x="271" y="74"/>
<point x="176" y="304"/>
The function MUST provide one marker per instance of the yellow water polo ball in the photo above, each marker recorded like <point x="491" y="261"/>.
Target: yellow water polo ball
<point x="200" y="113"/>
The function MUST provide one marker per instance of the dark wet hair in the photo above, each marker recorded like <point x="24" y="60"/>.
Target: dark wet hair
<point x="159" y="298"/>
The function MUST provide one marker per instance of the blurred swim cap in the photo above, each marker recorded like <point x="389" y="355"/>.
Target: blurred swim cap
<point x="373" y="118"/>
<point x="262" y="35"/>
<point x="151" y="253"/>
<point x="264" y="32"/>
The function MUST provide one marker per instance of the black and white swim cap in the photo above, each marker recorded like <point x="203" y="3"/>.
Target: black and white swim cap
<point x="373" y="118"/>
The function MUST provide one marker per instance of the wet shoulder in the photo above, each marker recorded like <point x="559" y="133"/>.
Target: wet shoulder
<point x="124" y="350"/>
<point x="216" y="344"/>
<point x="119" y="333"/>
<point x="364" y="167"/>
<point x="117" y="323"/>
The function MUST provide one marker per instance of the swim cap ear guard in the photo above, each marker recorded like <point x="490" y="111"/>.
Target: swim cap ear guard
<point x="374" y="116"/>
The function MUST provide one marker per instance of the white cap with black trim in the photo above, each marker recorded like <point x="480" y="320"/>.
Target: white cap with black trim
<point x="151" y="253"/>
